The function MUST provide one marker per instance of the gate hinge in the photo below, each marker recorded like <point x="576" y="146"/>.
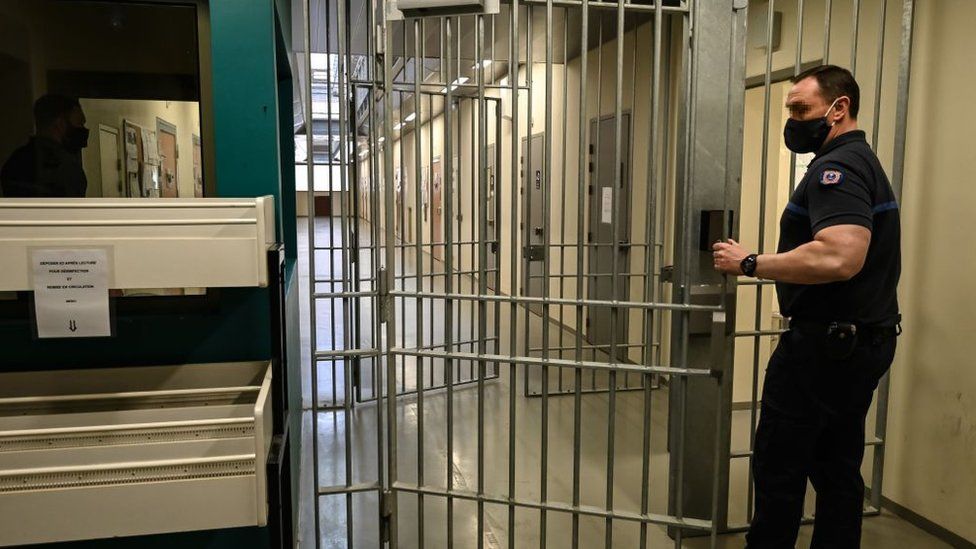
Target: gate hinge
<point x="383" y="291"/>
<point x="386" y="515"/>
<point x="739" y="5"/>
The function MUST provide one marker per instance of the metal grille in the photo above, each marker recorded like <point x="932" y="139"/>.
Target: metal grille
<point x="517" y="204"/>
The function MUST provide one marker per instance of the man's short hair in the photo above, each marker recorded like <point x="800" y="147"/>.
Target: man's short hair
<point x="49" y="108"/>
<point x="834" y="82"/>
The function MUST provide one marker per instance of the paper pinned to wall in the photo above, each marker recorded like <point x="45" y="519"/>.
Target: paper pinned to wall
<point x="606" y="205"/>
<point x="71" y="292"/>
<point x="150" y="149"/>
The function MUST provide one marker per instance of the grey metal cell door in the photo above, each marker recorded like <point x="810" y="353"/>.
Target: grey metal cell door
<point x="608" y="234"/>
<point x="534" y="223"/>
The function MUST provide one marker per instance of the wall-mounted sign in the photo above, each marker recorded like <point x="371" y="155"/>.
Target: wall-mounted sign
<point x="71" y="292"/>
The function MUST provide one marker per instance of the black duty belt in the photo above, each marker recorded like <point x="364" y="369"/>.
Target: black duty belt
<point x="865" y="332"/>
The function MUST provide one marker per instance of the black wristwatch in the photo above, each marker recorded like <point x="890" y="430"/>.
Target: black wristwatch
<point x="748" y="265"/>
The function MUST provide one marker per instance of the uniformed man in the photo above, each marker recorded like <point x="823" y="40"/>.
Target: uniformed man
<point x="836" y="271"/>
<point x="49" y="165"/>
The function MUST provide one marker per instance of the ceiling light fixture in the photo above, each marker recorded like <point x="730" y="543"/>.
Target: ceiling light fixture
<point x="411" y="117"/>
<point x="484" y="64"/>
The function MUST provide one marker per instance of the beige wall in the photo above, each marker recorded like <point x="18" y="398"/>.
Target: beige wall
<point x="931" y="456"/>
<point x="185" y="115"/>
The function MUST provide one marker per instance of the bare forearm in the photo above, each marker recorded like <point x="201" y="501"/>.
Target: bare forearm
<point x="811" y="263"/>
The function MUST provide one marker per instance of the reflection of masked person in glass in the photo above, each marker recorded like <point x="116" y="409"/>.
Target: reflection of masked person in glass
<point x="49" y="165"/>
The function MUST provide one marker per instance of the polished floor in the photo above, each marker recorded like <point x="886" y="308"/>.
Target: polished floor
<point x="348" y="435"/>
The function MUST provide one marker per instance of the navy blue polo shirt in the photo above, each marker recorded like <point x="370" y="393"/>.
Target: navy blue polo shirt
<point x="845" y="185"/>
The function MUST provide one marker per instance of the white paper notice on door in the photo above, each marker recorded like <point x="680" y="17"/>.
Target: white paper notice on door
<point x="71" y="292"/>
<point x="606" y="205"/>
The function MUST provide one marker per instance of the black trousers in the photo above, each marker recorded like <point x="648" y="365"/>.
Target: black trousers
<point x="811" y="425"/>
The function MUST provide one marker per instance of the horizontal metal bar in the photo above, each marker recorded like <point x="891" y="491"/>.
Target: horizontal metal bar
<point x="591" y="347"/>
<point x="651" y="518"/>
<point x="609" y="5"/>
<point x="758" y="333"/>
<point x="561" y="301"/>
<point x="434" y="87"/>
<point x="338" y="353"/>
<point x="755" y="282"/>
<point x="351" y="489"/>
<point x="339" y="295"/>
<point x="533" y="361"/>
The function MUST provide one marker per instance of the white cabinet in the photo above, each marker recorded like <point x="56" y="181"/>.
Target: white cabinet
<point x="110" y="452"/>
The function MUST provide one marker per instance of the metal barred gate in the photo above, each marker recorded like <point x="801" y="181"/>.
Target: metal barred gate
<point x="517" y="336"/>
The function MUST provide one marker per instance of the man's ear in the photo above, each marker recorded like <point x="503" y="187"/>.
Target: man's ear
<point x="842" y="108"/>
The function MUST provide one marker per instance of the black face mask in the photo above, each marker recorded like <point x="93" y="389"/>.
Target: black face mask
<point x="807" y="136"/>
<point x="76" y="138"/>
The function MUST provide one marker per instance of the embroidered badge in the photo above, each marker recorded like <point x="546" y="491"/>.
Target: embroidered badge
<point x="831" y="177"/>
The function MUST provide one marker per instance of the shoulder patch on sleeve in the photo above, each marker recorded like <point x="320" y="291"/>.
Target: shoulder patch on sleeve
<point x="831" y="177"/>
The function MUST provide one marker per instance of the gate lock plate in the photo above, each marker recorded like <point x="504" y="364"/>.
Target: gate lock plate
<point x="536" y="252"/>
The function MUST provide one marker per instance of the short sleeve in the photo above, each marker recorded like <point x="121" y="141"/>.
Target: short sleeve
<point x="836" y="196"/>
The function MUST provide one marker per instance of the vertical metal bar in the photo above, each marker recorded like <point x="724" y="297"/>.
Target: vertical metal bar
<point x="513" y="80"/>
<point x="374" y="175"/>
<point x="331" y="78"/>
<point x="761" y="246"/>
<point x="855" y="23"/>
<point x="527" y="190"/>
<point x="473" y="222"/>
<point x="496" y="230"/>
<point x="390" y="256"/>
<point x="430" y="198"/>
<point x="897" y="179"/>
<point x="594" y="247"/>
<point x="631" y="273"/>
<point x="650" y="237"/>
<point x="580" y="193"/>
<point x="419" y="73"/>
<point x="482" y="182"/>
<point x="661" y="192"/>
<point x="826" y="42"/>
<point x="878" y="74"/>
<point x="401" y="273"/>
<point x="455" y="128"/>
<point x="563" y="202"/>
<point x="344" y="161"/>
<point x="310" y="204"/>
<point x="449" y="278"/>
<point x="547" y="239"/>
<point x="683" y="252"/>
<point x="615" y="267"/>
<point x="797" y="64"/>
